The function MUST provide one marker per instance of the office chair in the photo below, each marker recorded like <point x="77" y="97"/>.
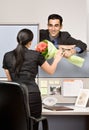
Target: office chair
<point x="14" y="108"/>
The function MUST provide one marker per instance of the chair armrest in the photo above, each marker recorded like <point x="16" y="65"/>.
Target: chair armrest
<point x="37" y="120"/>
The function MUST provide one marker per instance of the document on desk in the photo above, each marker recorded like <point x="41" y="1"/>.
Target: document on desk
<point x="71" y="88"/>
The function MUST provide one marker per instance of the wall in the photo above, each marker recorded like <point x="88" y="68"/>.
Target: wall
<point x="88" y="21"/>
<point x="75" y="14"/>
<point x="32" y="11"/>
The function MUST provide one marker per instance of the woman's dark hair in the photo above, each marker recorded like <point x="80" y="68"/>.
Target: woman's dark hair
<point x="55" y="16"/>
<point x="23" y="37"/>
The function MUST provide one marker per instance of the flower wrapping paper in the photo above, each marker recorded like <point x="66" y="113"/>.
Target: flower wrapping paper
<point x="76" y="60"/>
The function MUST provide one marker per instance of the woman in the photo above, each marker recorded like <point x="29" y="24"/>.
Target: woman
<point x="21" y="65"/>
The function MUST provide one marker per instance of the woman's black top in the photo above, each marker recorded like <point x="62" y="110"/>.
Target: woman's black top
<point x="29" y="69"/>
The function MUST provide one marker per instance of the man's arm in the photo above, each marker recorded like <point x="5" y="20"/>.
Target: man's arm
<point x="68" y="50"/>
<point x="68" y="40"/>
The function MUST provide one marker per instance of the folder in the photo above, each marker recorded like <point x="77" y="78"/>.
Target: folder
<point x="58" y="108"/>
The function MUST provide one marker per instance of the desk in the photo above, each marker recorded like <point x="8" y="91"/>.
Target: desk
<point x="77" y="119"/>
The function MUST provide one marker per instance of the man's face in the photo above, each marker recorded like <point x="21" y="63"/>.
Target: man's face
<point x="54" y="27"/>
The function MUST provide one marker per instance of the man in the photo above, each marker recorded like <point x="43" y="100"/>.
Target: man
<point x="61" y="39"/>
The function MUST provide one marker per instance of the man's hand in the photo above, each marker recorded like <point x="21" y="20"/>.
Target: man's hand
<point x="68" y="50"/>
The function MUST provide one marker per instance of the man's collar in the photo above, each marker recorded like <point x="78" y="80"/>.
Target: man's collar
<point x="52" y="38"/>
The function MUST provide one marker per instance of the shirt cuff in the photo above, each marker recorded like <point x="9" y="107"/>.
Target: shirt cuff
<point x="78" y="49"/>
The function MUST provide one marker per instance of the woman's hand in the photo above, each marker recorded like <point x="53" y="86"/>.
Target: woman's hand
<point x="59" y="54"/>
<point x="50" y="68"/>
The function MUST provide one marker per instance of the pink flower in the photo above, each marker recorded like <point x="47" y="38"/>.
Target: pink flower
<point x="42" y="47"/>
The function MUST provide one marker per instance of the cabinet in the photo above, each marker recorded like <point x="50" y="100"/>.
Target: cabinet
<point x="77" y="119"/>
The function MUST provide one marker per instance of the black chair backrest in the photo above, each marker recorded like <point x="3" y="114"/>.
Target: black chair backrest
<point x="13" y="111"/>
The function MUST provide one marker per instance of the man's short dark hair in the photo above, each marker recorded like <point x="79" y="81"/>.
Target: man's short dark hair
<point x="55" y="16"/>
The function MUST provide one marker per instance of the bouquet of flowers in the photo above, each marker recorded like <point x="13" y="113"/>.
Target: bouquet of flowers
<point x="48" y="50"/>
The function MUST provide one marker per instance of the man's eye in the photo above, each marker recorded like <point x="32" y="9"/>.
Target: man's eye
<point x="56" y="25"/>
<point x="50" y="25"/>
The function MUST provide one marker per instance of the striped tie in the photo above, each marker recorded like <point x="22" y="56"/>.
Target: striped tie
<point x="55" y="43"/>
